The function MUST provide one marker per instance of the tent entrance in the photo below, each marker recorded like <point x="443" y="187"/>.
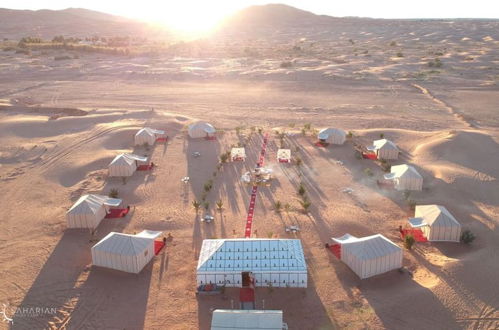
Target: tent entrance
<point x="247" y="279"/>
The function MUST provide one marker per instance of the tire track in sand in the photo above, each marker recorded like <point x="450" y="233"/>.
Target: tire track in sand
<point x="467" y="120"/>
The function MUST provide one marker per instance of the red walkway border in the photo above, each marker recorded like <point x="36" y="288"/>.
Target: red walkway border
<point x="251" y="208"/>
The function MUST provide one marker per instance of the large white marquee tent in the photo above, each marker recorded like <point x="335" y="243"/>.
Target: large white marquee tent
<point x="332" y="136"/>
<point x="385" y="149"/>
<point x="237" y="154"/>
<point x="125" y="252"/>
<point x="224" y="319"/>
<point x="148" y="136"/>
<point x="201" y="130"/>
<point x="405" y="177"/>
<point x="125" y="164"/>
<point x="276" y="262"/>
<point x="89" y="210"/>
<point x="369" y="256"/>
<point x="436" y="223"/>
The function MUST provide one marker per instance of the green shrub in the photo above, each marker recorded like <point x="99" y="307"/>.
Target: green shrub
<point x="368" y="172"/>
<point x="277" y="206"/>
<point x="399" y="54"/>
<point x="224" y="157"/>
<point x="467" y="237"/>
<point x="301" y="190"/>
<point x="358" y="154"/>
<point x="220" y="205"/>
<point x="350" y="134"/>
<point x="409" y="241"/>
<point x="196" y="205"/>
<point x="305" y="204"/>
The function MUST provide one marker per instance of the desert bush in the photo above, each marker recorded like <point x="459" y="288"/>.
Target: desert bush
<point x="393" y="44"/>
<point x="382" y="135"/>
<point x="305" y="204"/>
<point x="62" y="57"/>
<point x="399" y="54"/>
<point x="358" y="154"/>
<point x="467" y="237"/>
<point x="113" y="193"/>
<point x="286" y="64"/>
<point x="220" y="205"/>
<point x="350" y="134"/>
<point x="409" y="241"/>
<point x="292" y="125"/>
<point x="270" y="234"/>
<point x="224" y="157"/>
<point x="301" y="190"/>
<point x="307" y="126"/>
<point x="208" y="185"/>
<point x="277" y="206"/>
<point x="368" y="172"/>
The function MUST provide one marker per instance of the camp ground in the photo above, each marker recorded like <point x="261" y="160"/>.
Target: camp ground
<point x="201" y="130"/>
<point x="89" y="210"/>
<point x="125" y="165"/>
<point x="125" y="252"/>
<point x="149" y="136"/>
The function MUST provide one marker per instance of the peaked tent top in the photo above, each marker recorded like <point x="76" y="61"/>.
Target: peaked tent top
<point x="326" y="132"/>
<point x="128" y="158"/>
<point x="384" y="144"/>
<point x="150" y="131"/>
<point x="436" y="215"/>
<point x="208" y="128"/>
<point x="404" y="171"/>
<point x="369" y="247"/>
<point x="149" y="234"/>
<point x="123" y="244"/>
<point x="93" y="202"/>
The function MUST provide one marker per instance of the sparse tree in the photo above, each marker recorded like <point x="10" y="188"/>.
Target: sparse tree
<point x="301" y="190"/>
<point x="305" y="204"/>
<point x="409" y="241"/>
<point x="467" y="237"/>
<point x="113" y="193"/>
<point x="220" y="205"/>
<point x="277" y="206"/>
<point x="196" y="205"/>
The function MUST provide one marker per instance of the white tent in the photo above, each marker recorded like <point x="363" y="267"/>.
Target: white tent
<point x="332" y="135"/>
<point x="128" y="253"/>
<point x="237" y="154"/>
<point x="148" y="135"/>
<point x="201" y="130"/>
<point x="385" y="149"/>
<point x="405" y="177"/>
<point x="436" y="223"/>
<point x="125" y="164"/>
<point x="89" y="210"/>
<point x="369" y="256"/>
<point x="276" y="262"/>
<point x="224" y="319"/>
<point x="284" y="155"/>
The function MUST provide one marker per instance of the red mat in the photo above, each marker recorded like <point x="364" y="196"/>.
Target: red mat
<point x="320" y="144"/>
<point x="116" y="213"/>
<point x="369" y="156"/>
<point x="210" y="138"/>
<point x="385" y="184"/>
<point x="336" y="250"/>
<point x="283" y="160"/>
<point x="247" y="295"/>
<point x="254" y="189"/>
<point x="147" y="167"/>
<point x="158" y="246"/>
<point x="162" y="139"/>
<point x="416" y="233"/>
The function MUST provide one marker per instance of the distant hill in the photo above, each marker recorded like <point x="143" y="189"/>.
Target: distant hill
<point x="72" y="22"/>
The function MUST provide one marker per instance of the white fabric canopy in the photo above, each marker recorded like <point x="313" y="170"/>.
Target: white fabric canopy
<point x="125" y="252"/>
<point x="224" y="319"/>
<point x="125" y="164"/>
<point x="149" y="234"/>
<point x="332" y="135"/>
<point x="385" y="149"/>
<point x="284" y="154"/>
<point x="89" y="210"/>
<point x="438" y="223"/>
<point x="148" y="135"/>
<point x="238" y="153"/>
<point x="405" y="177"/>
<point x="371" y="255"/>
<point x="277" y="261"/>
<point x="201" y="130"/>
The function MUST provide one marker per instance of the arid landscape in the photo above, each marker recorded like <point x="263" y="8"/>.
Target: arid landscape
<point x="431" y="86"/>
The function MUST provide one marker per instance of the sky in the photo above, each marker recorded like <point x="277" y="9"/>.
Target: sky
<point x="204" y="14"/>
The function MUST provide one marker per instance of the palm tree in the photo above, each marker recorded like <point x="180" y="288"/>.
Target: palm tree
<point x="277" y="206"/>
<point x="305" y="204"/>
<point x="196" y="205"/>
<point x="220" y="205"/>
<point x="298" y="162"/>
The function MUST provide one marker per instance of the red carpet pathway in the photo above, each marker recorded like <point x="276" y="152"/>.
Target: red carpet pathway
<point x="251" y="209"/>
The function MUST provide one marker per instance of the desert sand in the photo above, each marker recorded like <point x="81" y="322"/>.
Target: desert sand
<point x="61" y="123"/>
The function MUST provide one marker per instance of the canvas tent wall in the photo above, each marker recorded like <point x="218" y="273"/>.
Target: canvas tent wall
<point x="385" y="149"/>
<point x="125" y="164"/>
<point x="332" y="136"/>
<point x="201" y="130"/>
<point x="284" y="155"/>
<point x="125" y="252"/>
<point x="89" y="210"/>
<point x="369" y="256"/>
<point x="405" y="177"/>
<point x="148" y="136"/>
<point x="279" y="262"/>
<point x="224" y="319"/>
<point x="436" y="223"/>
<point x="238" y="154"/>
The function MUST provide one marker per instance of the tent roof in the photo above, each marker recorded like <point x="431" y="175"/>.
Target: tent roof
<point x="287" y="251"/>
<point x="123" y="244"/>
<point x="149" y="131"/>
<point x="208" y="128"/>
<point x="238" y="152"/>
<point x="91" y="203"/>
<point x="384" y="144"/>
<point x="345" y="239"/>
<point x="246" y="319"/>
<point x="417" y="222"/>
<point x="149" y="234"/>
<point x="404" y="170"/>
<point x="436" y="215"/>
<point x="284" y="153"/>
<point x="370" y="247"/>
<point x="324" y="133"/>
<point x="127" y="159"/>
